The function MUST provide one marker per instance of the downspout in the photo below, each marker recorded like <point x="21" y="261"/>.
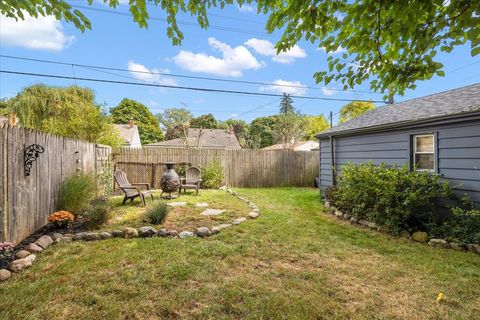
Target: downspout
<point x="332" y="160"/>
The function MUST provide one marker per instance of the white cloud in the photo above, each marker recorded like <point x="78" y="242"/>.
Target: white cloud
<point x="246" y="8"/>
<point x="232" y="63"/>
<point x="288" y="87"/>
<point x="328" y="92"/>
<point x="339" y="50"/>
<point x="42" y="33"/>
<point x="266" y="48"/>
<point x="140" y="72"/>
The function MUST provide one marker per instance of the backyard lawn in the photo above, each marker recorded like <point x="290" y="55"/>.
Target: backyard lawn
<point x="293" y="262"/>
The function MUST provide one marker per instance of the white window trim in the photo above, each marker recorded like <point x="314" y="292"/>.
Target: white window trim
<point x="415" y="136"/>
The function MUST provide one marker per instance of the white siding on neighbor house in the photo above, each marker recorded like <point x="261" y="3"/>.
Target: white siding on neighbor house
<point x="458" y="153"/>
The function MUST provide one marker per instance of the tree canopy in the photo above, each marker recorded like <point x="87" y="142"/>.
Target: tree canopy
<point x="354" y="109"/>
<point x="65" y="111"/>
<point x="389" y="44"/>
<point x="314" y="125"/>
<point x="262" y="132"/>
<point x="206" y="121"/>
<point x="147" y="123"/>
<point x="286" y="104"/>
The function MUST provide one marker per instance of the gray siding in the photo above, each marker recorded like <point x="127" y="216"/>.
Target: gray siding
<point x="458" y="153"/>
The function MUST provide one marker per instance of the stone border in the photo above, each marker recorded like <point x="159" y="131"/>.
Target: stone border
<point x="418" y="236"/>
<point x="25" y="257"/>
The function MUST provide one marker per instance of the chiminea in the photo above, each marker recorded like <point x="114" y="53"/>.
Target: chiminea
<point x="170" y="182"/>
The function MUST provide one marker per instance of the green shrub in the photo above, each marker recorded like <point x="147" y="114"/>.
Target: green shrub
<point x="392" y="196"/>
<point x="462" y="226"/>
<point x="98" y="213"/>
<point x="157" y="212"/>
<point x="76" y="192"/>
<point x="212" y="175"/>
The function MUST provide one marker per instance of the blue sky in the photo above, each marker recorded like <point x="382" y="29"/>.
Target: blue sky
<point x="236" y="47"/>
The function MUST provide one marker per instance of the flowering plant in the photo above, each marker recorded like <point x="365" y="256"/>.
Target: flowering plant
<point x="6" y="249"/>
<point x="61" y="218"/>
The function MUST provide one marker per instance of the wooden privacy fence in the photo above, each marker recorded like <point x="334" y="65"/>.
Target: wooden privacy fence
<point x="26" y="201"/>
<point x="242" y="168"/>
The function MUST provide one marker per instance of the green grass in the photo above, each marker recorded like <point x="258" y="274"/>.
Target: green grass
<point x="294" y="262"/>
<point x="180" y="218"/>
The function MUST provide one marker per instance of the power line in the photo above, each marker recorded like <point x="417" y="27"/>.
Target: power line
<point x="173" y="87"/>
<point x="191" y="24"/>
<point x="463" y="67"/>
<point x="178" y="75"/>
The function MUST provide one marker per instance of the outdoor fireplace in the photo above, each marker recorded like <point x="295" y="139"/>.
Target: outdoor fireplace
<point x="170" y="182"/>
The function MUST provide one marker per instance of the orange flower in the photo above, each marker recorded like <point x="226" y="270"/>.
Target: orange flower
<point x="61" y="216"/>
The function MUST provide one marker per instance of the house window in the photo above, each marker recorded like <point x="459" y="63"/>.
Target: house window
<point x="424" y="152"/>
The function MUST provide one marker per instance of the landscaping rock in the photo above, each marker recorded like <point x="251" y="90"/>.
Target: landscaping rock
<point x="327" y="204"/>
<point x="20" y="264"/>
<point x="256" y="210"/>
<point x="405" y="234"/>
<point x="22" y="254"/>
<point x="253" y="215"/>
<point x="223" y="188"/>
<point x="215" y="230"/>
<point x="173" y="233"/>
<point x="177" y="204"/>
<point x="224" y="226"/>
<point x="372" y="225"/>
<point x="186" y="234"/>
<point x="473" y="248"/>
<point x="353" y="220"/>
<point x="5" y="274"/>
<point x="457" y="246"/>
<point x="44" y="241"/>
<point x="238" y="221"/>
<point x="130" y="233"/>
<point x="234" y="193"/>
<point x="363" y="222"/>
<point x="338" y="213"/>
<point x="201" y="205"/>
<point x="56" y="236"/>
<point x="117" y="233"/>
<point x="212" y="212"/>
<point x="162" y="232"/>
<point x="79" y="236"/>
<point x="202" y="232"/>
<point x="346" y="216"/>
<point x="105" y="235"/>
<point x="383" y="229"/>
<point x="92" y="236"/>
<point x="31" y="257"/>
<point x="32" y="247"/>
<point x="439" y="243"/>
<point x="147" y="231"/>
<point x="66" y="239"/>
<point x="420" y="236"/>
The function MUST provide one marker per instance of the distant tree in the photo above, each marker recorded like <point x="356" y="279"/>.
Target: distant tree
<point x="65" y="111"/>
<point x="315" y="125"/>
<point x="176" y="122"/>
<point x="354" y="109"/>
<point x="206" y="121"/>
<point x="286" y="104"/>
<point x="4" y="110"/>
<point x="148" y="125"/>
<point x="289" y="128"/>
<point x="261" y="132"/>
<point x="240" y="128"/>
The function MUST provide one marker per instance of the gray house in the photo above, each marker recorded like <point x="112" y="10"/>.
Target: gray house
<point x="439" y="133"/>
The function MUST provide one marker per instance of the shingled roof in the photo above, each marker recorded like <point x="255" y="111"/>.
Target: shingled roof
<point x="451" y="102"/>
<point x="209" y="138"/>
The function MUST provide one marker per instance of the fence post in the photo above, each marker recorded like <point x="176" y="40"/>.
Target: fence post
<point x="4" y="182"/>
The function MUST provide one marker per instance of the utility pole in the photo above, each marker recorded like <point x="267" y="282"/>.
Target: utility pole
<point x="331" y="119"/>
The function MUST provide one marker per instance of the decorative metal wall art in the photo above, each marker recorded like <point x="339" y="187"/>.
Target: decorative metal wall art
<point x="32" y="152"/>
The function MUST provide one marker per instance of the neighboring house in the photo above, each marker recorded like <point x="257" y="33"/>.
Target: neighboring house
<point x="129" y="133"/>
<point x="203" y="138"/>
<point x="439" y="133"/>
<point x="296" y="146"/>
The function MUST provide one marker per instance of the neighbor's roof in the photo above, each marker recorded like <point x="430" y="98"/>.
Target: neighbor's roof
<point x="126" y="132"/>
<point x="281" y="146"/>
<point x="451" y="102"/>
<point x="209" y="138"/>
